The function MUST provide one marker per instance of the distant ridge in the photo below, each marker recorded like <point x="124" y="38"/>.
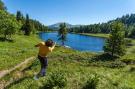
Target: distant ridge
<point x="56" y="26"/>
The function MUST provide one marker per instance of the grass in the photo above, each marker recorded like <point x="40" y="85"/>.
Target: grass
<point x="15" y="52"/>
<point x="130" y="53"/>
<point x="131" y="49"/>
<point x="96" y="35"/>
<point x="77" y="69"/>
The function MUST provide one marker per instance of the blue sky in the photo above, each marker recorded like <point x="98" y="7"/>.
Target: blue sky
<point x="72" y="11"/>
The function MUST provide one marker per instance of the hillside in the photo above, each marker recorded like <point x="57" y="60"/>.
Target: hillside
<point x="128" y="22"/>
<point x="56" y="26"/>
<point x="13" y="53"/>
<point x="70" y="69"/>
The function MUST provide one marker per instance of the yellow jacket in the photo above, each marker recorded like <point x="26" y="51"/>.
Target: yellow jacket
<point x="43" y="49"/>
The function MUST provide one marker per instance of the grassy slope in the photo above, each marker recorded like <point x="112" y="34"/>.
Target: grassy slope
<point x="73" y="63"/>
<point x="14" y="53"/>
<point x="96" y="35"/>
<point x="130" y="52"/>
<point x="77" y="72"/>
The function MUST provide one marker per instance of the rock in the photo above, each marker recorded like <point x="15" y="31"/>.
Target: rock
<point x="67" y="46"/>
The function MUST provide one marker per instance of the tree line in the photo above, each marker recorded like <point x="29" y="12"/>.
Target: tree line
<point x="29" y="25"/>
<point x="17" y="24"/>
<point x="95" y="28"/>
<point x="127" y="20"/>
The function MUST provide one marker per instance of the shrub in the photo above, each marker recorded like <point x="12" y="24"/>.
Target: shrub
<point x="91" y="82"/>
<point x="109" y="64"/>
<point x="116" y="64"/>
<point x="132" y="69"/>
<point x="56" y="79"/>
<point x="128" y="59"/>
<point x="104" y="57"/>
<point x="128" y="42"/>
<point x="8" y="24"/>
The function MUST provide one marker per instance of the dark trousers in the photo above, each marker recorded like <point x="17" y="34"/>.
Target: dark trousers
<point x="44" y="64"/>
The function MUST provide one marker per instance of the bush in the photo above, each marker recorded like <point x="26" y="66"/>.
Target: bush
<point x="128" y="42"/>
<point x="56" y="79"/>
<point x="8" y="25"/>
<point x="106" y="60"/>
<point x="116" y="64"/>
<point x="104" y="57"/>
<point x="132" y="69"/>
<point x="128" y="59"/>
<point x="91" y="82"/>
<point x="109" y="64"/>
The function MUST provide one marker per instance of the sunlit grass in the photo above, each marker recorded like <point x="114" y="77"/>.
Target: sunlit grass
<point x="77" y="67"/>
<point x="12" y="53"/>
<point x="77" y="74"/>
<point x="96" y="35"/>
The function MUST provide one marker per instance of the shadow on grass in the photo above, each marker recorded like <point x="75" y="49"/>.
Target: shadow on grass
<point x="2" y="39"/>
<point x="34" y="64"/>
<point x="106" y="60"/>
<point x="104" y="57"/>
<point x="16" y="82"/>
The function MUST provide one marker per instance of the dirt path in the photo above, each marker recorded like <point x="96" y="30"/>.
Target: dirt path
<point x="5" y="72"/>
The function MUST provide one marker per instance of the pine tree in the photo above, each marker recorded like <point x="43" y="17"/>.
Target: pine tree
<point x="62" y="33"/>
<point x="19" y="16"/>
<point x="115" y="44"/>
<point x="27" y="26"/>
<point x="2" y="6"/>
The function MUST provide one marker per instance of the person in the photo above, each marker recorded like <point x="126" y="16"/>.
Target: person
<point x="44" y="48"/>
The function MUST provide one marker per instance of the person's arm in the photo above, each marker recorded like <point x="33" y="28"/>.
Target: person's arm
<point x="51" y="48"/>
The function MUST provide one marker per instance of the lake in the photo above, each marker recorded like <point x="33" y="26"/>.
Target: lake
<point x="78" y="42"/>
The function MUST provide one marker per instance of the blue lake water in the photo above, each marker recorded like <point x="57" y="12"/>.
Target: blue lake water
<point x="78" y="42"/>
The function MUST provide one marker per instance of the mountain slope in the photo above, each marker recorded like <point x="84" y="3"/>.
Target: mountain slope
<point x="56" y="26"/>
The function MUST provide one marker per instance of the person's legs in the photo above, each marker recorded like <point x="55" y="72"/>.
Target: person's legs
<point x="43" y="61"/>
<point x="44" y="66"/>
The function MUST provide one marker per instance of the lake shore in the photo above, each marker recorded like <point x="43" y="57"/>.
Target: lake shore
<point x="95" y="35"/>
<point x="76" y="41"/>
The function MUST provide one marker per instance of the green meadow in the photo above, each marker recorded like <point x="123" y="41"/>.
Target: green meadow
<point x="67" y="69"/>
<point x="12" y="53"/>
